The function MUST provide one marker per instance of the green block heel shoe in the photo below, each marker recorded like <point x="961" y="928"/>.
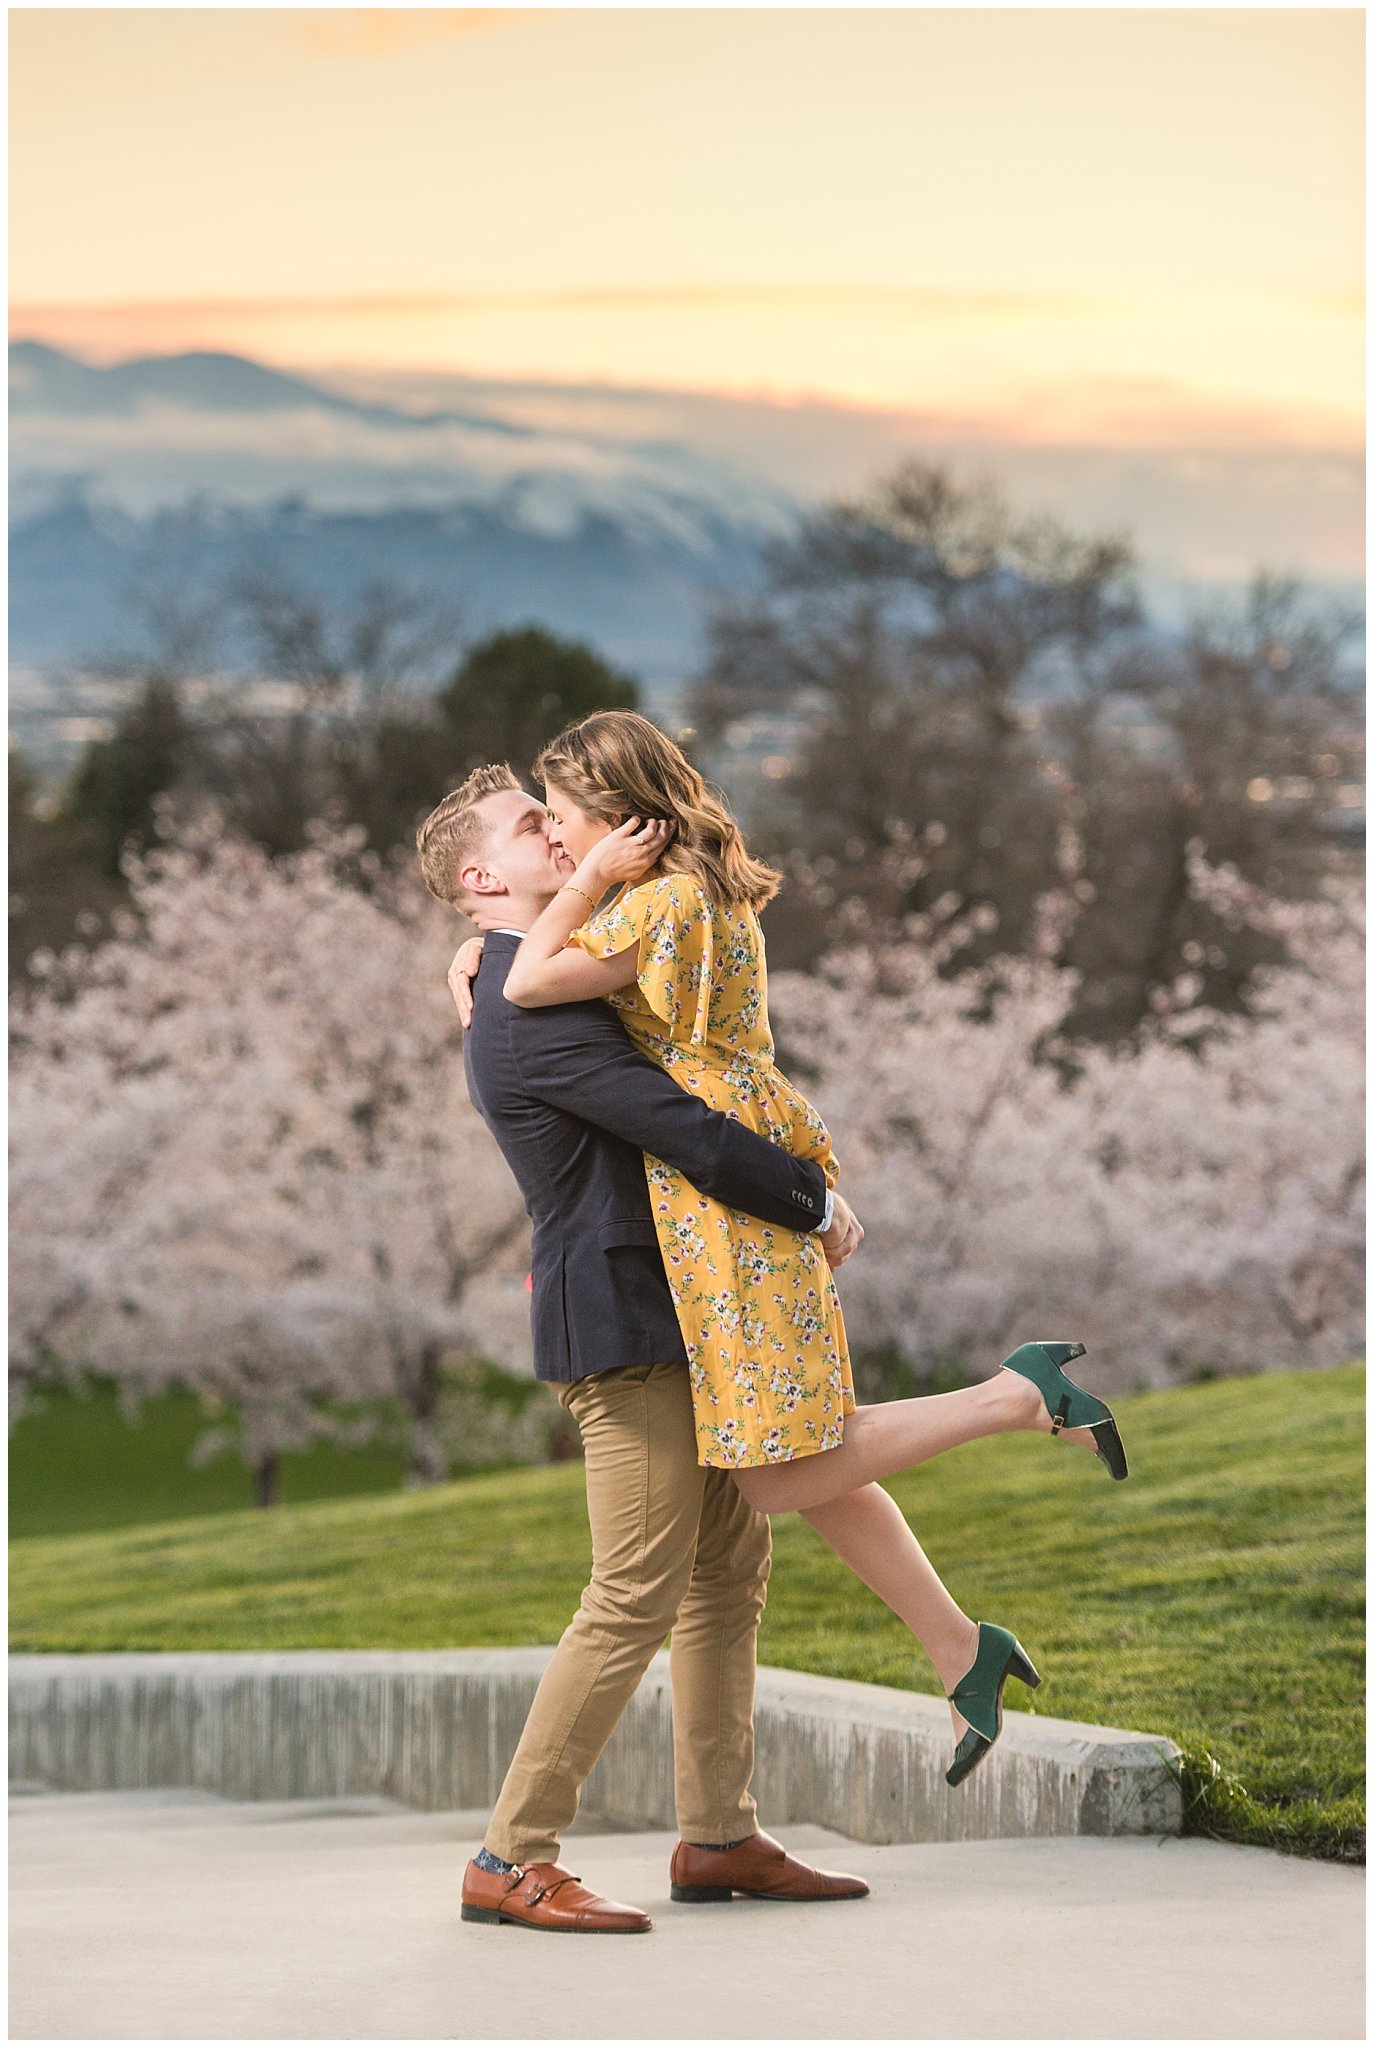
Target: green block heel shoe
<point x="978" y="1695"/>
<point x="1071" y="1406"/>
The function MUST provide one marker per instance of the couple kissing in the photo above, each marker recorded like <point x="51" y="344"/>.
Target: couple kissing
<point x="687" y="1227"/>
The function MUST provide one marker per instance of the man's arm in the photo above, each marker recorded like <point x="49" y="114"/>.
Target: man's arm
<point x="578" y="1057"/>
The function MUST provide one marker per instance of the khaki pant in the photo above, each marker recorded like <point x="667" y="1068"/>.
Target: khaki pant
<point x="675" y="1545"/>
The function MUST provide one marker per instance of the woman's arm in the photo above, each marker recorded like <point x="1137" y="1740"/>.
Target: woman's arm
<point x="546" y="969"/>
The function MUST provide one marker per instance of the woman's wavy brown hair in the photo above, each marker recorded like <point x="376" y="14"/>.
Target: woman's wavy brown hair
<point x="617" y="765"/>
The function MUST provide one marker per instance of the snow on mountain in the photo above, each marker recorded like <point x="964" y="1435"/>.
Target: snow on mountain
<point x="606" y="513"/>
<point x="150" y="434"/>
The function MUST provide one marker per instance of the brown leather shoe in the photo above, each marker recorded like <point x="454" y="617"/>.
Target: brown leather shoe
<point x="760" y="1868"/>
<point x="542" y="1895"/>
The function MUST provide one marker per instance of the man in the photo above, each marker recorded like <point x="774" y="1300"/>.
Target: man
<point x="675" y="1546"/>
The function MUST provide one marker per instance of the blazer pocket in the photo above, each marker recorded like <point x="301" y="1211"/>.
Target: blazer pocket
<point x="626" y="1230"/>
<point x="628" y="1249"/>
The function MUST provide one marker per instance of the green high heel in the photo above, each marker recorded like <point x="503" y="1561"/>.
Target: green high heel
<point x="1071" y="1406"/>
<point x="978" y="1695"/>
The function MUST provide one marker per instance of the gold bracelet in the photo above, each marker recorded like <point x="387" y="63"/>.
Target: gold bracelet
<point x="578" y="892"/>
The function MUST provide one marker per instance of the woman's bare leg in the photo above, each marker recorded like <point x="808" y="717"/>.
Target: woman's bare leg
<point x="892" y="1436"/>
<point x="868" y="1530"/>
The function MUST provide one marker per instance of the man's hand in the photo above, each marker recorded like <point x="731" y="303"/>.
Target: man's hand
<point x="844" y="1236"/>
<point x="461" y="975"/>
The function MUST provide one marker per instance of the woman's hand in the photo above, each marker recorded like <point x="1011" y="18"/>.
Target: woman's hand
<point x="546" y="968"/>
<point x="461" y="975"/>
<point x="625" y="855"/>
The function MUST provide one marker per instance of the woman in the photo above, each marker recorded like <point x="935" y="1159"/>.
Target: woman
<point x="680" y="955"/>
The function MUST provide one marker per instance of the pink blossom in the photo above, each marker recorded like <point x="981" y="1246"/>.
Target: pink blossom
<point x="242" y="1155"/>
<point x="1191" y="1202"/>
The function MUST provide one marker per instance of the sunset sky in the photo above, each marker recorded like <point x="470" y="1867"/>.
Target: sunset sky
<point x="1096" y="227"/>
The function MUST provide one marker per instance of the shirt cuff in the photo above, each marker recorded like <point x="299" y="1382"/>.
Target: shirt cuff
<point x="829" y="1216"/>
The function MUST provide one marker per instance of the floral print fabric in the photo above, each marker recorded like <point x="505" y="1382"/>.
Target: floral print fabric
<point x="760" y="1317"/>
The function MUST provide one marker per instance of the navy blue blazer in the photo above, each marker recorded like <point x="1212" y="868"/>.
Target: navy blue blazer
<point x="574" y="1108"/>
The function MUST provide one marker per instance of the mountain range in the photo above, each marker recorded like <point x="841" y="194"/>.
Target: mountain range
<point x="607" y="514"/>
<point x="182" y="468"/>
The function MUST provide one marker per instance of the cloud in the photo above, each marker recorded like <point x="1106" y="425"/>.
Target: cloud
<point x="1007" y="368"/>
<point x="928" y="300"/>
<point x="394" y="32"/>
<point x="166" y="453"/>
<point x="1326" y="305"/>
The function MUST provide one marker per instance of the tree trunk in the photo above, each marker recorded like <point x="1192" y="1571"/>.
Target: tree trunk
<point x="266" y="1477"/>
<point x="1153" y="969"/>
<point x="428" y="1466"/>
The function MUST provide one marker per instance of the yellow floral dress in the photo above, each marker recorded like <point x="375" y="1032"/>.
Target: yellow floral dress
<point x="760" y="1317"/>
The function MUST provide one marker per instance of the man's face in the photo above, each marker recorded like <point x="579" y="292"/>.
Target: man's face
<point x="519" y="853"/>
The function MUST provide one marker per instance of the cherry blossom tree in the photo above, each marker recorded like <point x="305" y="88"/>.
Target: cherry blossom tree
<point x="242" y="1154"/>
<point x="1190" y="1202"/>
<point x="243" y="1158"/>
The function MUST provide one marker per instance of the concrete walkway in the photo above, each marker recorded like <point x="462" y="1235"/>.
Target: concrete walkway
<point x="182" y="1915"/>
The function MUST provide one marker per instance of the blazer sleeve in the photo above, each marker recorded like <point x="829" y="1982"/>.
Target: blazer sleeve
<point x="578" y="1057"/>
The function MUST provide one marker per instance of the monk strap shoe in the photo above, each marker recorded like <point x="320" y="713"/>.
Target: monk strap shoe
<point x="542" y="1895"/>
<point x="758" y="1868"/>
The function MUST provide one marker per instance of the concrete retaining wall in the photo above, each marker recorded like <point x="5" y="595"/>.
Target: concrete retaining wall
<point x="437" y="1728"/>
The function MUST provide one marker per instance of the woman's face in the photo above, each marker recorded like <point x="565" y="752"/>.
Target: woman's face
<point x="569" y="826"/>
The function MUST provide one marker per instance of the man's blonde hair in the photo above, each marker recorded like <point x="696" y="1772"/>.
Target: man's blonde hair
<point x="454" y="832"/>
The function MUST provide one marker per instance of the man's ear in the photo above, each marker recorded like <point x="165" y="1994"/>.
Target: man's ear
<point x="475" y="880"/>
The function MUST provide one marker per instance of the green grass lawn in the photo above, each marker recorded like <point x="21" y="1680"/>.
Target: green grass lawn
<point x="1216" y="1596"/>
<point x="75" y="1463"/>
